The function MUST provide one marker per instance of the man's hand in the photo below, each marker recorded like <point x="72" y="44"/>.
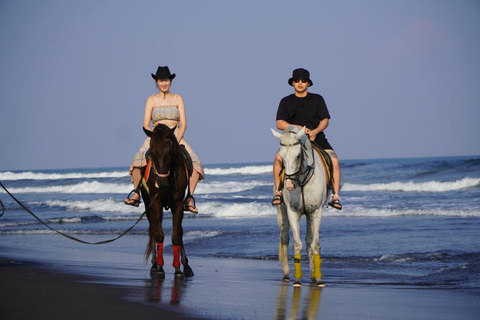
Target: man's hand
<point x="311" y="134"/>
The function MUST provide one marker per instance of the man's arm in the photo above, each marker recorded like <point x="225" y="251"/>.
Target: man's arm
<point x="282" y="125"/>
<point x="321" y="126"/>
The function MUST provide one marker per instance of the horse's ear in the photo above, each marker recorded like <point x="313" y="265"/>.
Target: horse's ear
<point x="148" y="132"/>
<point x="276" y="134"/>
<point x="172" y="130"/>
<point x="300" y="133"/>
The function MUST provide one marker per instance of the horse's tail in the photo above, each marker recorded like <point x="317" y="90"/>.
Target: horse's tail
<point x="150" y="248"/>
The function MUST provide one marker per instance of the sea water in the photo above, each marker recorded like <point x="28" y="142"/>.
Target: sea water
<point x="405" y="222"/>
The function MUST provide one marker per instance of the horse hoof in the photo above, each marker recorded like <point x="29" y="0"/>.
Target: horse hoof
<point x="179" y="274"/>
<point x="286" y="279"/>
<point x="157" y="272"/>
<point x="319" y="283"/>
<point x="297" y="283"/>
<point x="188" y="272"/>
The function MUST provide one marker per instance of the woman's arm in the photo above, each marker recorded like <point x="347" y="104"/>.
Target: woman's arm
<point x="183" y="118"/>
<point x="147" y="115"/>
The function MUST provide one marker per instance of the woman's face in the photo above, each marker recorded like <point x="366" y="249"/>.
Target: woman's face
<point x="164" y="84"/>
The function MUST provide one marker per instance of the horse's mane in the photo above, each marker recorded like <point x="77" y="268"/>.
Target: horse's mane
<point x="303" y="139"/>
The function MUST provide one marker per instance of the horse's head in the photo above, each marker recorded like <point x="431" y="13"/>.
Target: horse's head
<point x="291" y="152"/>
<point x="163" y="149"/>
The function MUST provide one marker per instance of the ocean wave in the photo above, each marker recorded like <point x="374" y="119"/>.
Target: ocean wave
<point x="112" y="209"/>
<point x="105" y="232"/>
<point x="236" y="210"/>
<point x="375" y="212"/>
<point x="229" y="186"/>
<point x="197" y="234"/>
<point x="29" y="175"/>
<point x="263" y="169"/>
<point x="430" y="186"/>
<point x="101" y="205"/>
<point x="96" y="187"/>
<point x="93" y="187"/>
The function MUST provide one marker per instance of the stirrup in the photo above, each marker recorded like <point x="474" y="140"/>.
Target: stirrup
<point x="335" y="204"/>
<point x="135" y="202"/>
<point x="189" y="207"/>
<point x="278" y="197"/>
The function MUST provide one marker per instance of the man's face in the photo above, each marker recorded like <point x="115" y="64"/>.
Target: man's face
<point x="300" y="85"/>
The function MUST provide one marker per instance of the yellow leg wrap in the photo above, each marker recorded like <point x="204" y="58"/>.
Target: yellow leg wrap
<point x="297" y="258"/>
<point x="317" y="272"/>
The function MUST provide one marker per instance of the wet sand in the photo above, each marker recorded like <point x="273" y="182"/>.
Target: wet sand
<point x="221" y="289"/>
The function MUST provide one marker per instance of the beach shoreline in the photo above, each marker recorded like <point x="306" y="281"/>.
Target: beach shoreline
<point x="31" y="290"/>
<point x="221" y="289"/>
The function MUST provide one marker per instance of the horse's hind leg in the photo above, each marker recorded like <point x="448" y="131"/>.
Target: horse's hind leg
<point x="177" y="244"/>
<point x="313" y="238"/>
<point x="308" y="243"/>
<point x="284" y="226"/>
<point x="187" y="270"/>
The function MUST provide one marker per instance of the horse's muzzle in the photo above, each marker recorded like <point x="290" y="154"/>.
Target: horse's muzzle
<point x="290" y="185"/>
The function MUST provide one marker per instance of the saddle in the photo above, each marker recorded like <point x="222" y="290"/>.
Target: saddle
<point x="327" y="162"/>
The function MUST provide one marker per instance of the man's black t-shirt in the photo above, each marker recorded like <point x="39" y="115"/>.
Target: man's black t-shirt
<point x="307" y="111"/>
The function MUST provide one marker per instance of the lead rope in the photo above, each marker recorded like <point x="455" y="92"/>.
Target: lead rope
<point x="3" y="208"/>
<point x="64" y="234"/>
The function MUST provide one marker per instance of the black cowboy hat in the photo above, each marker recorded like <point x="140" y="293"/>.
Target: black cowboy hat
<point x="163" y="73"/>
<point x="300" y="74"/>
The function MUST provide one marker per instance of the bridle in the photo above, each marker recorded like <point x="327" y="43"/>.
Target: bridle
<point x="161" y="175"/>
<point x="308" y="173"/>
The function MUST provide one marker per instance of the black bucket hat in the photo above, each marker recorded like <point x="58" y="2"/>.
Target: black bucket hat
<point x="163" y="73"/>
<point x="300" y="74"/>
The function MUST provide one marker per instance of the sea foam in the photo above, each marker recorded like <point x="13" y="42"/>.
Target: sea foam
<point x="429" y="186"/>
<point x="28" y="175"/>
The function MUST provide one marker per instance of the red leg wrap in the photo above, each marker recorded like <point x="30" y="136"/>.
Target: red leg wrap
<point x="176" y="256"/>
<point x="160" y="254"/>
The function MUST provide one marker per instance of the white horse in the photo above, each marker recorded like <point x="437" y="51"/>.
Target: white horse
<point x="305" y="192"/>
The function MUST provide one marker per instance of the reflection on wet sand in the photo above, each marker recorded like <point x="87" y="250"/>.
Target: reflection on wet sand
<point x="308" y="307"/>
<point x="155" y="293"/>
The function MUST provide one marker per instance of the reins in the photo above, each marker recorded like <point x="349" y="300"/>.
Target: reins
<point x="64" y="234"/>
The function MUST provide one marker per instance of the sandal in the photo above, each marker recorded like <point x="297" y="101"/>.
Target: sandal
<point x="133" y="202"/>
<point x="335" y="204"/>
<point x="188" y="206"/>
<point x="277" y="198"/>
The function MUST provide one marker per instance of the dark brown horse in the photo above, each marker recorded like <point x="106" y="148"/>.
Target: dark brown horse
<point x="165" y="182"/>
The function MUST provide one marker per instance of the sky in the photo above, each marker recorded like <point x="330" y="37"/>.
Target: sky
<point x="401" y="78"/>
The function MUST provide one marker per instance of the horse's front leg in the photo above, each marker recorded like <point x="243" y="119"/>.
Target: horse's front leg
<point x="282" y="219"/>
<point x="313" y="243"/>
<point x="177" y="243"/>
<point x="294" y="220"/>
<point x="157" y="237"/>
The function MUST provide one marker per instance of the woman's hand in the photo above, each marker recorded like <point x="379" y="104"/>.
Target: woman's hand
<point x="179" y="137"/>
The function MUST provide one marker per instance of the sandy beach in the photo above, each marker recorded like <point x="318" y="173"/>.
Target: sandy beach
<point x="221" y="289"/>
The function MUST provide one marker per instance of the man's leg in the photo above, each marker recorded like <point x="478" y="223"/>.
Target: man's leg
<point x="277" y="169"/>
<point x="336" y="177"/>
